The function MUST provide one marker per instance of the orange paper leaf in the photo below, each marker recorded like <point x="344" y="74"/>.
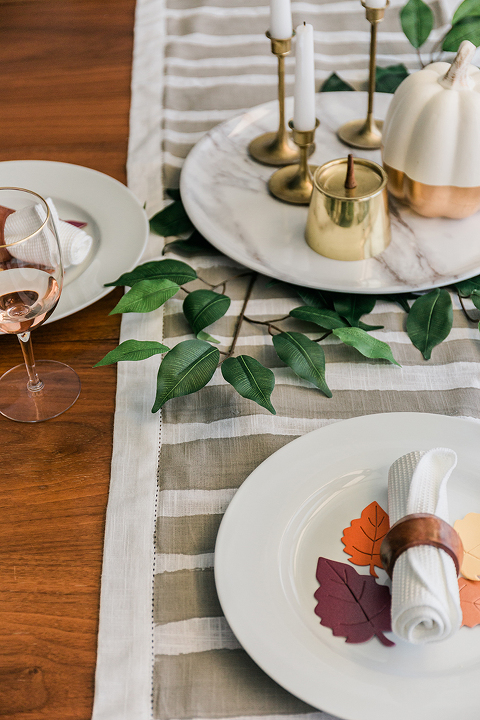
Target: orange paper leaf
<point x="469" y="531"/>
<point x="362" y="539"/>
<point x="469" y="601"/>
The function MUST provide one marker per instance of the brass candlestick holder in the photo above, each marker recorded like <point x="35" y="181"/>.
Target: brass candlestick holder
<point x="367" y="134"/>
<point x="277" y="148"/>
<point x="294" y="184"/>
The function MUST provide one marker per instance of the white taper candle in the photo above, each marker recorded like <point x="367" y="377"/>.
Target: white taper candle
<point x="304" y="90"/>
<point x="375" y="3"/>
<point x="280" y="19"/>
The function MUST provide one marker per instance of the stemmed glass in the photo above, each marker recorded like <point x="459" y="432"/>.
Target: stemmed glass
<point x="31" y="278"/>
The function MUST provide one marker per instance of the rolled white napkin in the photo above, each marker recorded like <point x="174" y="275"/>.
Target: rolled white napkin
<point x="75" y="244"/>
<point x="425" y="595"/>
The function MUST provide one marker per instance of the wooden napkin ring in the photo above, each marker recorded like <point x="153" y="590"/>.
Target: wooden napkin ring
<point x="420" y="529"/>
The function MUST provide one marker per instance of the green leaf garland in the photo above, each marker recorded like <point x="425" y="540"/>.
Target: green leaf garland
<point x="174" y="270"/>
<point x="417" y="22"/>
<point x="327" y="319"/>
<point x="172" y="220"/>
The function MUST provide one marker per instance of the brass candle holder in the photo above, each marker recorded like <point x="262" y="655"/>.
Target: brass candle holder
<point x="294" y="183"/>
<point x="367" y="134"/>
<point x="277" y="148"/>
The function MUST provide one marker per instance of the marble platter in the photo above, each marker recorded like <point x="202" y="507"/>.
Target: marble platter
<point x="225" y="195"/>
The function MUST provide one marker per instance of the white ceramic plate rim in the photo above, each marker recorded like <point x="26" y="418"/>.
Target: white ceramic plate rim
<point x="121" y="224"/>
<point x="253" y="547"/>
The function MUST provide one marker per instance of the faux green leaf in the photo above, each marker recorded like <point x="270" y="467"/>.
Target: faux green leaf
<point x="417" y="21"/>
<point x="133" y="350"/>
<point x="187" y="368"/>
<point x="365" y="344"/>
<point x="205" y="336"/>
<point x="204" y="307"/>
<point x="475" y="298"/>
<point x="335" y="84"/>
<point x="430" y="320"/>
<point x="304" y="356"/>
<point x="194" y="245"/>
<point x="145" y="296"/>
<point x="174" y="270"/>
<point x="250" y="379"/>
<point x="468" y="8"/>
<point x="388" y="79"/>
<point x="352" y="307"/>
<point x="327" y="319"/>
<point x="466" y="29"/>
<point x="320" y="299"/>
<point x="466" y="287"/>
<point x="173" y="193"/>
<point x="172" y="220"/>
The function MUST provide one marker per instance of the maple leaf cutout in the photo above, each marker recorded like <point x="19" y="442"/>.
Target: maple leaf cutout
<point x="469" y="601"/>
<point x="469" y="531"/>
<point x="353" y="606"/>
<point x="363" y="537"/>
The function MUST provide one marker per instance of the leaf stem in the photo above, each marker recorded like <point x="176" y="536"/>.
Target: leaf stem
<point x="268" y="323"/>
<point x="241" y="316"/>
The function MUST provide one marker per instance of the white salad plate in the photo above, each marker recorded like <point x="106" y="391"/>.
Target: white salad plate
<point x="290" y="511"/>
<point x="225" y="195"/>
<point x="115" y="220"/>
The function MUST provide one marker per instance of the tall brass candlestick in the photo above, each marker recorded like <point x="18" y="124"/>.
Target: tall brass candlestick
<point x="367" y="134"/>
<point x="277" y="148"/>
<point x="294" y="184"/>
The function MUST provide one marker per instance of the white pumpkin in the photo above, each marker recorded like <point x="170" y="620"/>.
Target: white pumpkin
<point x="431" y="138"/>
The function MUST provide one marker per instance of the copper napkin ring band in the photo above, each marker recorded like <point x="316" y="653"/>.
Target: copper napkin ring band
<point x="420" y="529"/>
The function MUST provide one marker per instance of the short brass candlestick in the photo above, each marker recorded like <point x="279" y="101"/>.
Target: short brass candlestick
<point x="277" y="148"/>
<point x="367" y="134"/>
<point x="294" y="184"/>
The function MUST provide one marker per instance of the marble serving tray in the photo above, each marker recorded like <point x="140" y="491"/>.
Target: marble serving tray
<point x="225" y="195"/>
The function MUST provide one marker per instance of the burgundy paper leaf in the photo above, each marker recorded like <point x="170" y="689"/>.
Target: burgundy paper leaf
<point x="76" y="223"/>
<point x="353" y="606"/>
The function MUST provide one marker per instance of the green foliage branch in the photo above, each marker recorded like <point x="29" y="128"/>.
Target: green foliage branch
<point x="188" y="366"/>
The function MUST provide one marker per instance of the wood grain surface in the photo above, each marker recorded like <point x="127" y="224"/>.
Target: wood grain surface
<point x="65" y="89"/>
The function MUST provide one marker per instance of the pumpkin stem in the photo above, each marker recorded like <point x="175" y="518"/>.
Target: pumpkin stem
<point x="457" y="75"/>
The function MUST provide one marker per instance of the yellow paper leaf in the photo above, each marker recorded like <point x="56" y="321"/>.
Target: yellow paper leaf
<point x="469" y="531"/>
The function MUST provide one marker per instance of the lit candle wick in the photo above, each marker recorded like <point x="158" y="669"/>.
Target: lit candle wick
<point x="350" y="182"/>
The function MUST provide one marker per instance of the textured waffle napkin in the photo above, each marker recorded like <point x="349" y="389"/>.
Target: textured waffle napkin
<point x="425" y="599"/>
<point x="75" y="244"/>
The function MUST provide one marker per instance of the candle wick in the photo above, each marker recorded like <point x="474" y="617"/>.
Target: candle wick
<point x="350" y="182"/>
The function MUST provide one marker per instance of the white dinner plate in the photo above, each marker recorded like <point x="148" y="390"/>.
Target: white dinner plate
<point x="290" y="511"/>
<point x="115" y="220"/>
<point x="225" y="194"/>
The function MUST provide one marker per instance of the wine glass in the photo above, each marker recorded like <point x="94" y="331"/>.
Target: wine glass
<point x="31" y="278"/>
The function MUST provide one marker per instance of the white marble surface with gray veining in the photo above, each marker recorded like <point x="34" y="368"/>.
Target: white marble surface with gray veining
<point x="225" y="194"/>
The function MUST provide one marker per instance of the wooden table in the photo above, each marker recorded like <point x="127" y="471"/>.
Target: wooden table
<point x="65" y="79"/>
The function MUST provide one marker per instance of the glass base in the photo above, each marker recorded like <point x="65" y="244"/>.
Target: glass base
<point x="61" y="387"/>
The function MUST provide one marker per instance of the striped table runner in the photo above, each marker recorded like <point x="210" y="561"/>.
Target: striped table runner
<point x="198" y="62"/>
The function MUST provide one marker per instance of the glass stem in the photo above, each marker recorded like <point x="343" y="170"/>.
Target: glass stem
<point x="34" y="383"/>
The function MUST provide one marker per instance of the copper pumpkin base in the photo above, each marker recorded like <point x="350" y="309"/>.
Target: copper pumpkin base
<point x="433" y="200"/>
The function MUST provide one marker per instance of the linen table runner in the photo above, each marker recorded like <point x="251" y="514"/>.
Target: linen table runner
<point x="165" y="649"/>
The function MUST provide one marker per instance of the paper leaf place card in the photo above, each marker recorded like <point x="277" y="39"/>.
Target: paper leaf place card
<point x="363" y="537"/>
<point x="469" y="530"/>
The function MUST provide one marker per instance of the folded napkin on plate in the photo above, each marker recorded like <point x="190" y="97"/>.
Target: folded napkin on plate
<point x="75" y="244"/>
<point x="425" y="596"/>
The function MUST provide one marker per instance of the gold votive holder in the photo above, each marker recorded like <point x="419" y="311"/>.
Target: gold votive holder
<point x="294" y="183"/>
<point x="277" y="148"/>
<point x="349" y="223"/>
